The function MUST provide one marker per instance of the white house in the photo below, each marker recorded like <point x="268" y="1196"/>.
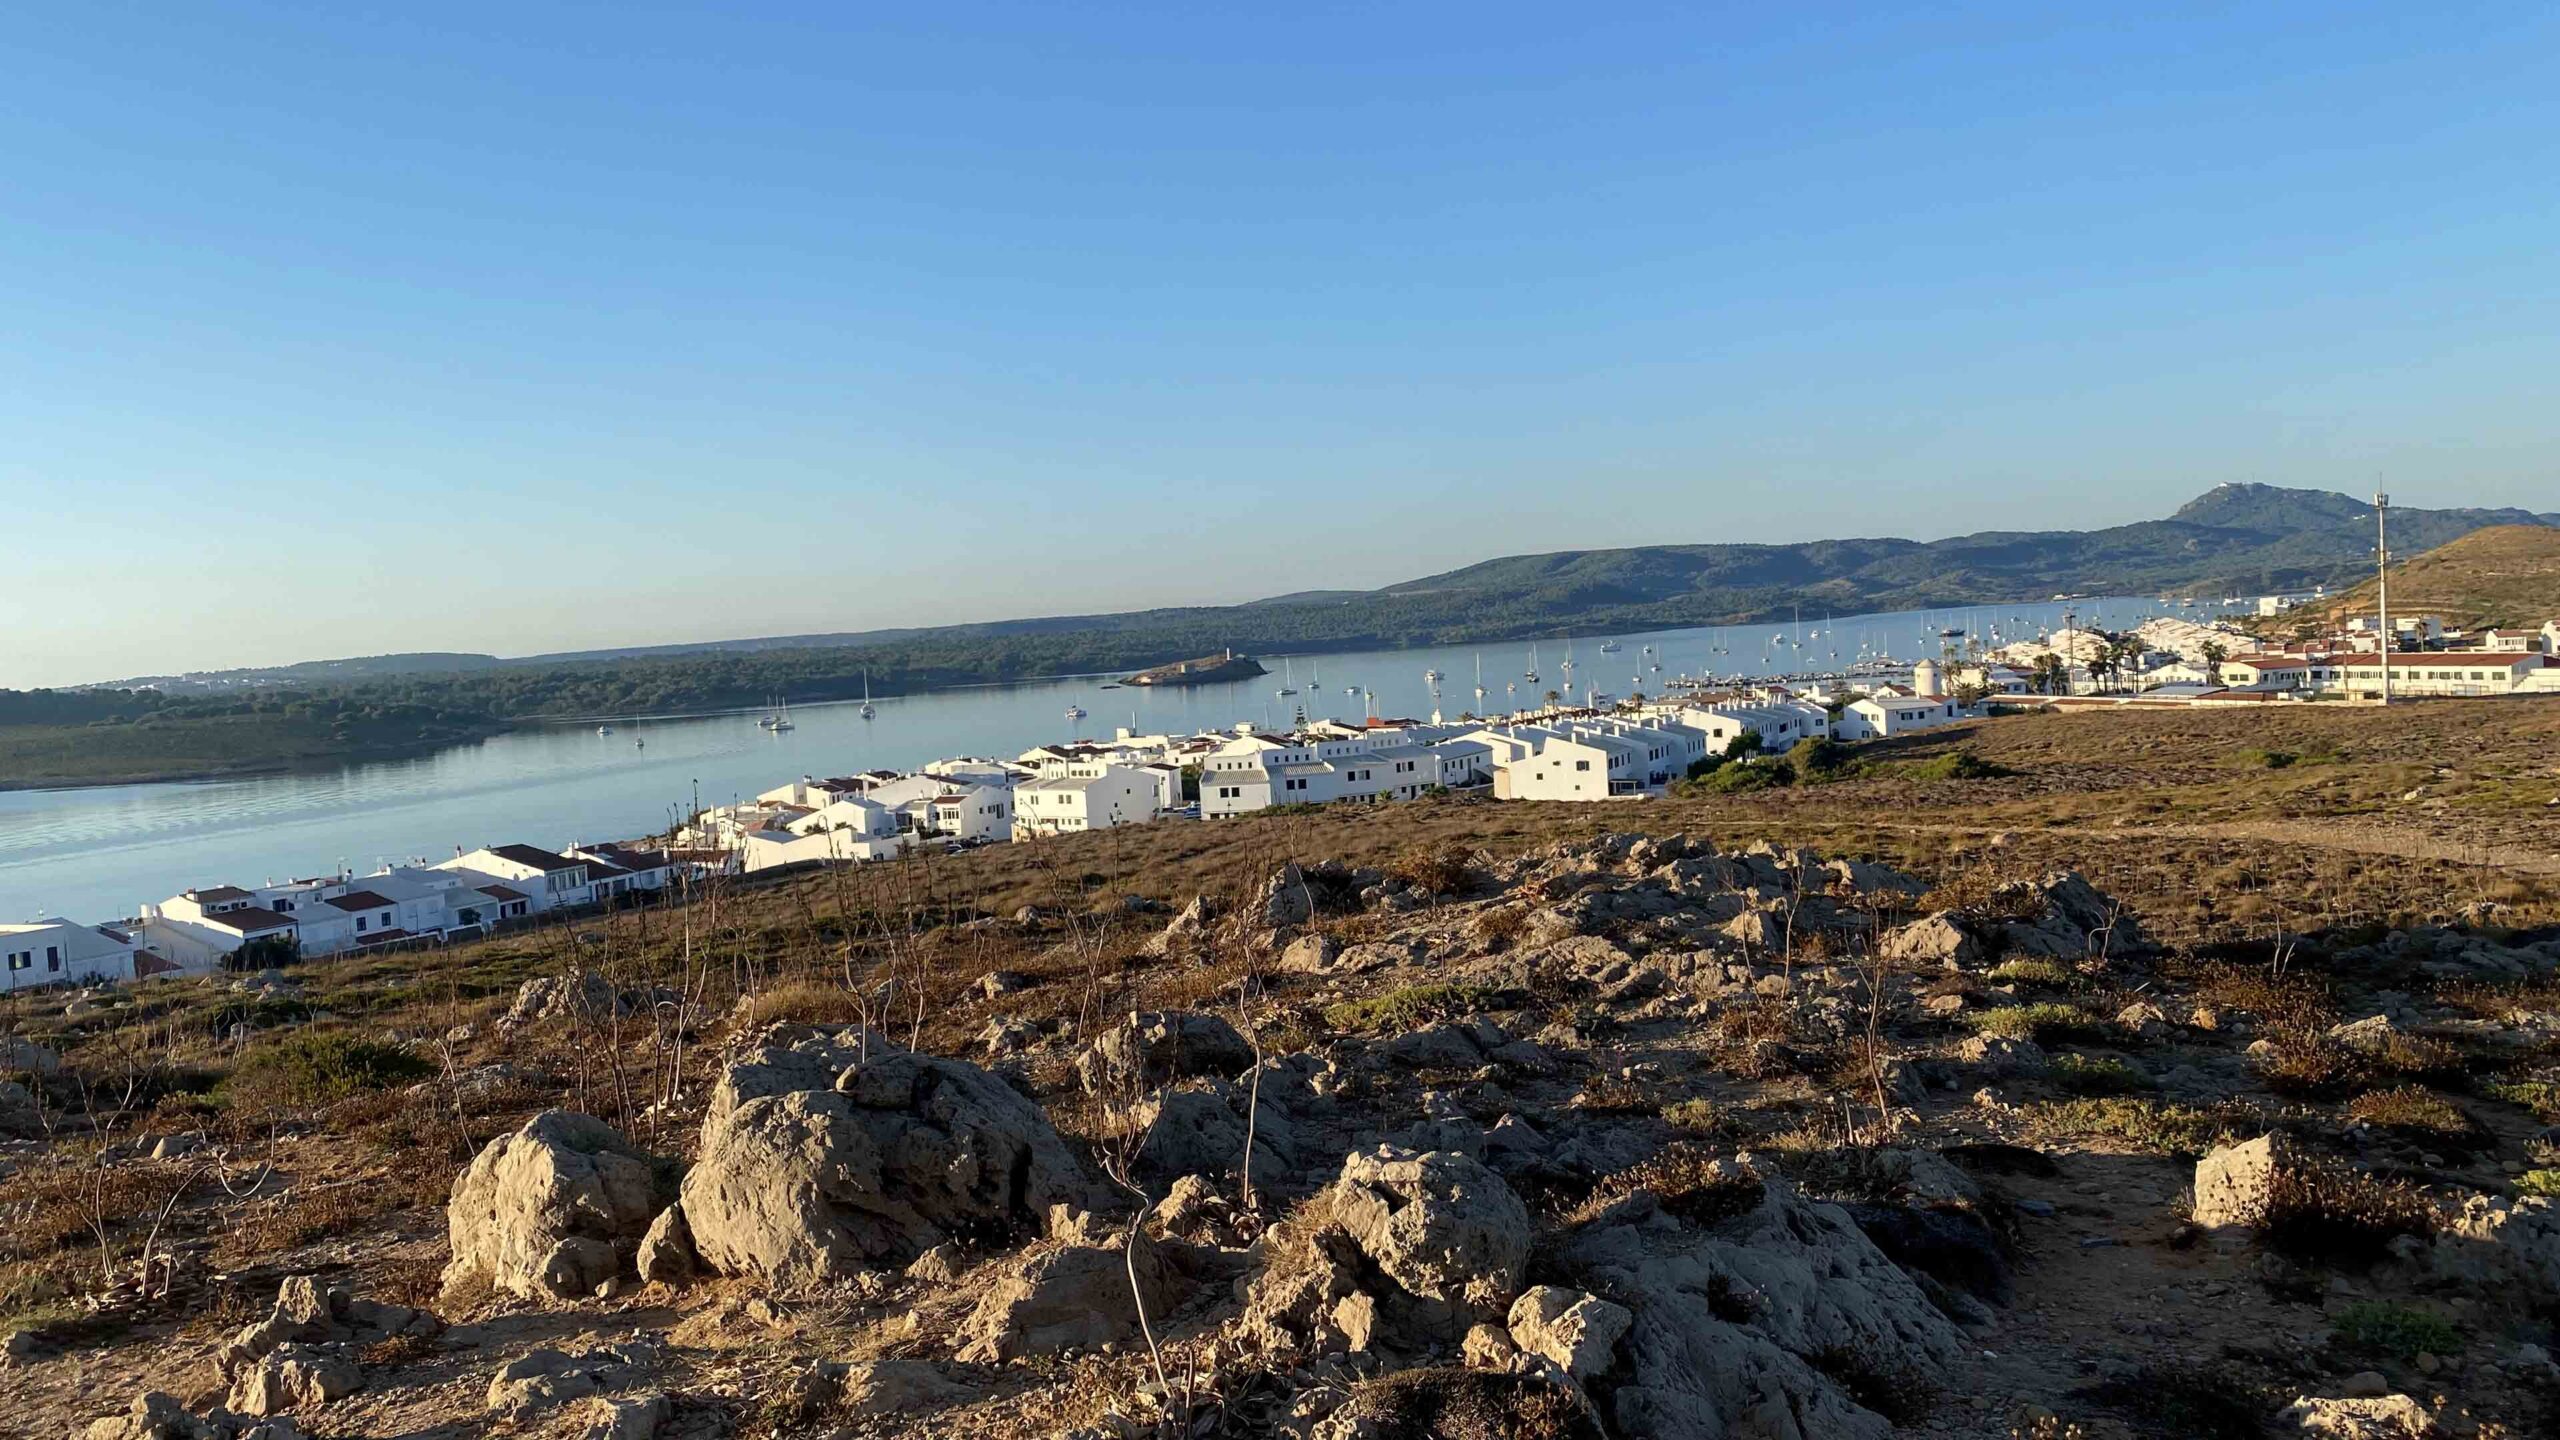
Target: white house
<point x="54" y="951"/>
<point x="1873" y="717"/>
<point x="1535" y="762"/>
<point x="1061" y="804"/>
<point x="858" y="817"/>
<point x="973" y="812"/>
<point x="195" y="929"/>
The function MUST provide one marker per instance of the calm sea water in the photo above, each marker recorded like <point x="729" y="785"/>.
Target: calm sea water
<point x="97" y="854"/>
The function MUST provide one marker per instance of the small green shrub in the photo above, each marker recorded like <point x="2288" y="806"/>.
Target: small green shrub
<point x="1411" y="1006"/>
<point x="2539" y="1182"/>
<point x="2340" y="1215"/>
<point x="1700" y="1115"/>
<point x="2401" y="1331"/>
<point x="1955" y="765"/>
<point x="2148" y="1124"/>
<point x="2542" y="1097"/>
<point x="2416" y="1112"/>
<point x="1744" y="779"/>
<point x="2094" y="1075"/>
<point x="2051" y="973"/>
<point x="2042" y="1022"/>
<point x="315" y="1068"/>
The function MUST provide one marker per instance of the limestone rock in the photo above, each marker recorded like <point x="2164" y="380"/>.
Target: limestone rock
<point x="1577" y="1331"/>
<point x="538" y="1382"/>
<point x="2386" y="1417"/>
<point x="1311" y="955"/>
<point x="1152" y="1046"/>
<point x="897" y="1387"/>
<point x="293" y="1377"/>
<point x="1070" y="1297"/>
<point x="1941" y="941"/>
<point x="1439" y="1224"/>
<point x="2233" y="1183"/>
<point x="638" y="1418"/>
<point x="18" y="1113"/>
<point x="904" y="1153"/>
<point x="551" y="1211"/>
<point x="1187" y="932"/>
<point x="1998" y="1057"/>
<point x="1742" y="1316"/>
<point x="786" y="1058"/>
<point x="666" y="1253"/>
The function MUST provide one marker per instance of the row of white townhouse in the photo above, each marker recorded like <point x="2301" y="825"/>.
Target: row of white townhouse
<point x="1329" y="762"/>
<point x="197" y="929"/>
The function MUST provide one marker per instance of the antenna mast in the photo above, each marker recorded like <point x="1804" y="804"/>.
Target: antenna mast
<point x="2382" y="585"/>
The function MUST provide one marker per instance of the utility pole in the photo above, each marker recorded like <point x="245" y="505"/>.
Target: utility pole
<point x="2382" y="585"/>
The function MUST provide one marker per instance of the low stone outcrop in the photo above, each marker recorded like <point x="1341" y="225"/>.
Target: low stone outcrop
<point x="156" y="1415"/>
<point x="1736" y="1301"/>
<point x="552" y="1211"/>
<point x="293" y="1377"/>
<point x="1070" y="1297"/>
<point x="1153" y="1046"/>
<point x="902" y="1154"/>
<point x="1941" y="942"/>
<point x="785" y="1058"/>
<point x="18" y="1113"/>
<point x="308" y="1312"/>
<point x="1187" y="932"/>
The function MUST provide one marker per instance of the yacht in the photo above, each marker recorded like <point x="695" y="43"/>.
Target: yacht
<point x="1608" y="647"/>
<point x="604" y="729"/>
<point x="782" y="719"/>
<point x="1075" y="712"/>
<point x="868" y="709"/>
<point x="1288" y="678"/>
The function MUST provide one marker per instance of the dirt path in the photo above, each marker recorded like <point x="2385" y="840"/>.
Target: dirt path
<point x="2355" y="839"/>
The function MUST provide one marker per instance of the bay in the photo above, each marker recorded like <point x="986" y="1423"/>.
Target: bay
<point x="97" y="854"/>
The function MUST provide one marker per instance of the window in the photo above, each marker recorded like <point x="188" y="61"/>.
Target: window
<point x="21" y="959"/>
<point x="1581" y="765"/>
<point x="53" y="957"/>
<point x="359" y="924"/>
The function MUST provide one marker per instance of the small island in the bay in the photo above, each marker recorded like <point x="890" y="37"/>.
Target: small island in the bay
<point x="1205" y="670"/>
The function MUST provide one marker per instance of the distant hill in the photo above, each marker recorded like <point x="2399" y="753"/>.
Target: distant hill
<point x="2502" y="575"/>
<point x="2234" y="539"/>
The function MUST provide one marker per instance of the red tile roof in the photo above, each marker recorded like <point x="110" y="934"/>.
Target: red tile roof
<point x="250" y="920"/>
<point x="361" y="900"/>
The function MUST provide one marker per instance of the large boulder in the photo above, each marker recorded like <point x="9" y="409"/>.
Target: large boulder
<point x="1153" y="1046"/>
<point x="903" y="1154"/>
<point x="1201" y="1132"/>
<point x="552" y="1211"/>
<point x="1286" y="899"/>
<point x="2503" y="1251"/>
<point x="1446" y="1230"/>
<point x="1752" y="1307"/>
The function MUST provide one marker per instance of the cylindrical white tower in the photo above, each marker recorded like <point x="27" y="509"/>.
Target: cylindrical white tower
<point x="1924" y="678"/>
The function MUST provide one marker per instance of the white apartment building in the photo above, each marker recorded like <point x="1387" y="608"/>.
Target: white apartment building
<point x="1534" y="762"/>
<point x="52" y="951"/>
<point x="973" y="812"/>
<point x="2434" y="673"/>
<point x="1063" y="804"/>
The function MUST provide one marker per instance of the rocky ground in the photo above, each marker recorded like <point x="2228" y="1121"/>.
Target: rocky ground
<point x="1622" y="1136"/>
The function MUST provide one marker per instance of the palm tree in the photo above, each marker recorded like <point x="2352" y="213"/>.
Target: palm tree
<point x="2214" y="654"/>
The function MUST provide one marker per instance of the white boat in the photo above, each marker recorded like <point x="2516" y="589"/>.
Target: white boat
<point x="1075" y="712"/>
<point x="1430" y="677"/>
<point x="1608" y="647"/>
<point x="867" y="709"/>
<point x="1288" y="678"/>
<point x="782" y="719"/>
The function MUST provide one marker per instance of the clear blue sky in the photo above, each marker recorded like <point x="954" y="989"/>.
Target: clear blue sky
<point x="337" y="329"/>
